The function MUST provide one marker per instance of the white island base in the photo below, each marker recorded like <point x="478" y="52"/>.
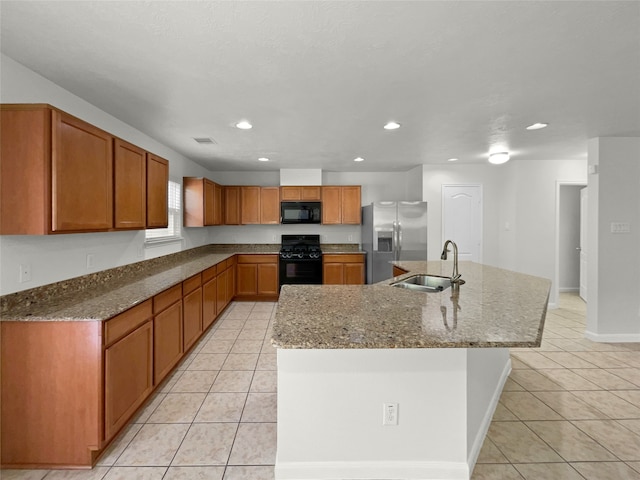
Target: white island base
<point x="330" y="411"/>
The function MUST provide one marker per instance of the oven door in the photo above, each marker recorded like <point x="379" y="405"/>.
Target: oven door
<point x="299" y="271"/>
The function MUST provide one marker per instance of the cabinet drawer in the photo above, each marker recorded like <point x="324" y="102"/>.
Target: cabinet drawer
<point x="257" y="258"/>
<point x="209" y="273"/>
<point x="190" y="284"/>
<point x="166" y="298"/>
<point x="343" y="258"/>
<point x="126" y="322"/>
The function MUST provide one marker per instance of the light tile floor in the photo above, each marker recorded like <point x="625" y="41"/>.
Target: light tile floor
<point x="570" y="410"/>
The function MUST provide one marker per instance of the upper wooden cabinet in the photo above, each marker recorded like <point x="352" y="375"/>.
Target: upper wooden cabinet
<point x="59" y="174"/>
<point x="157" y="192"/>
<point x="260" y="205"/>
<point x="341" y="205"/>
<point x="130" y="185"/>
<point x="293" y="193"/>
<point x="231" y="205"/>
<point x="202" y="202"/>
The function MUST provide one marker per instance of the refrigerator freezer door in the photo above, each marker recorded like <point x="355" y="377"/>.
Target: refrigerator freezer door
<point x="412" y="231"/>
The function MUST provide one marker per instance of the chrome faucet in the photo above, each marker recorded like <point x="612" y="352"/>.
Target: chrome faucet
<point x="455" y="276"/>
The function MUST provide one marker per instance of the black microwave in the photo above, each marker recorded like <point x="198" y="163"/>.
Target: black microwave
<point x="300" y="212"/>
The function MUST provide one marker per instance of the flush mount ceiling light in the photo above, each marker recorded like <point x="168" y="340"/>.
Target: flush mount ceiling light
<point x="499" y="158"/>
<point x="537" y="126"/>
<point x="244" y="125"/>
<point x="392" y="126"/>
<point x="452" y="160"/>
<point x="358" y="159"/>
<point x="263" y="159"/>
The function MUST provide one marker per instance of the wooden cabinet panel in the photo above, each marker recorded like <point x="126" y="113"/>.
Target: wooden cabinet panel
<point x="167" y="340"/>
<point x="192" y="318"/>
<point x="25" y="166"/>
<point x="351" y="205"/>
<point x="232" y="205"/>
<point x="267" y="279"/>
<point x="343" y="269"/>
<point x="209" y="203"/>
<point x="269" y="205"/>
<point x="398" y="271"/>
<point x="218" y="206"/>
<point x="157" y="192"/>
<point x="341" y="205"/>
<point x="130" y="186"/>
<point x="331" y="205"/>
<point x="311" y="193"/>
<point x="128" y="371"/>
<point x="166" y="298"/>
<point x="82" y="176"/>
<point x="247" y="282"/>
<point x="250" y="205"/>
<point x="202" y="202"/>
<point x="222" y="297"/>
<point x="209" y="294"/>
<point x="119" y="326"/>
<point x="295" y="193"/>
<point x="231" y="282"/>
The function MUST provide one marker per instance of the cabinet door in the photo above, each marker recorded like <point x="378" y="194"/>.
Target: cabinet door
<point x="333" y="274"/>
<point x="290" y="193"/>
<point x="267" y="279"/>
<point x="351" y="208"/>
<point x="192" y="317"/>
<point x="209" y="294"/>
<point x="354" y="273"/>
<point x="221" y="299"/>
<point x="82" y="176"/>
<point x="270" y="205"/>
<point x="231" y="283"/>
<point x="232" y="205"/>
<point x="157" y="192"/>
<point x="128" y="371"/>
<point x="331" y="205"/>
<point x="218" y="209"/>
<point x="130" y="185"/>
<point x="247" y="282"/>
<point x="310" y="193"/>
<point x="209" y="203"/>
<point x="167" y="340"/>
<point x="250" y="205"/>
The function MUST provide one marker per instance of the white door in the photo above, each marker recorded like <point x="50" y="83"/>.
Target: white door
<point x="583" y="244"/>
<point x="462" y="219"/>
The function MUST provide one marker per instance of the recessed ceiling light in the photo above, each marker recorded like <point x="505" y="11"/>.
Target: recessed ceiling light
<point x="263" y="159"/>
<point x="537" y="126"/>
<point x="358" y="159"/>
<point x="452" y="160"/>
<point x="499" y="158"/>
<point x="392" y="126"/>
<point x="244" y="125"/>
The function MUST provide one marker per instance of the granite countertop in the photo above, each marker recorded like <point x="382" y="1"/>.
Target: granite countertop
<point x="116" y="290"/>
<point x="494" y="308"/>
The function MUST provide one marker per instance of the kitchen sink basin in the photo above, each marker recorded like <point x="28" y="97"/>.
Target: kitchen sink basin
<point x="424" y="283"/>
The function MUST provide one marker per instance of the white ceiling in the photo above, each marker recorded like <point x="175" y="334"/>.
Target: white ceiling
<point x="319" y="79"/>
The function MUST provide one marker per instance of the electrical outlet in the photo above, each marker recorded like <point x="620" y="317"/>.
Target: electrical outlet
<point x="25" y="273"/>
<point x="620" y="227"/>
<point x="389" y="414"/>
<point x="324" y="238"/>
<point x="349" y="238"/>
<point x="275" y="238"/>
<point x="91" y="260"/>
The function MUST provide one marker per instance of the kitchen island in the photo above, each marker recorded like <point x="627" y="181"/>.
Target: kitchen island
<point x="346" y="353"/>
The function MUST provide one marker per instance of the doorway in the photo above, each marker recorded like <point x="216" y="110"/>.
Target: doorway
<point x="571" y="252"/>
<point x="462" y="219"/>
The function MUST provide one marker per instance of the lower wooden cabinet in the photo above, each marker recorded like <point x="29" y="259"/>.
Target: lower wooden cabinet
<point x="167" y="331"/>
<point x="343" y="269"/>
<point x="398" y="271"/>
<point x="191" y="311"/>
<point x="209" y="294"/>
<point x="257" y="277"/>
<point x="128" y="376"/>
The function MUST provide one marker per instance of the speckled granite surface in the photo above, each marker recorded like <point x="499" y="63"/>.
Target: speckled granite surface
<point x="102" y="295"/>
<point x="494" y="308"/>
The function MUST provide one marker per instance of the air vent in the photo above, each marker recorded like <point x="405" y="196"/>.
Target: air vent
<point x="205" y="141"/>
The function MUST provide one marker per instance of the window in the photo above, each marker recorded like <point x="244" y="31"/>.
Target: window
<point x="173" y="231"/>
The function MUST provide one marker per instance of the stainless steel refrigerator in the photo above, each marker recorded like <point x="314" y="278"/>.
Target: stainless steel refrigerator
<point x="393" y="231"/>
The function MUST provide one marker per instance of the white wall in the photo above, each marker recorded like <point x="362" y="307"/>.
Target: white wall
<point x="58" y="257"/>
<point x="569" y="238"/>
<point x="519" y="210"/>
<point x="613" y="308"/>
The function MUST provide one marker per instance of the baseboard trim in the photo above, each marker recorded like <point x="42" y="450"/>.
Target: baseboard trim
<point x="568" y="290"/>
<point x="371" y="470"/>
<point x="612" y="337"/>
<point x="486" y="421"/>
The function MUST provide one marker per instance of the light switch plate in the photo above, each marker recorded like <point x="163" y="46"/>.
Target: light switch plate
<point x="620" y="227"/>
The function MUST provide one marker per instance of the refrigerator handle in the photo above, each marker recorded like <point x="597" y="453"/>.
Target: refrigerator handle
<point x="395" y="241"/>
<point x="399" y="239"/>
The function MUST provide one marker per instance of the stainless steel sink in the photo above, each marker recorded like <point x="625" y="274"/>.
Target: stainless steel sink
<point x="424" y="283"/>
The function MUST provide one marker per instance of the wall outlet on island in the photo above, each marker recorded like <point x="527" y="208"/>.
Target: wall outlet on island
<point x="389" y="414"/>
